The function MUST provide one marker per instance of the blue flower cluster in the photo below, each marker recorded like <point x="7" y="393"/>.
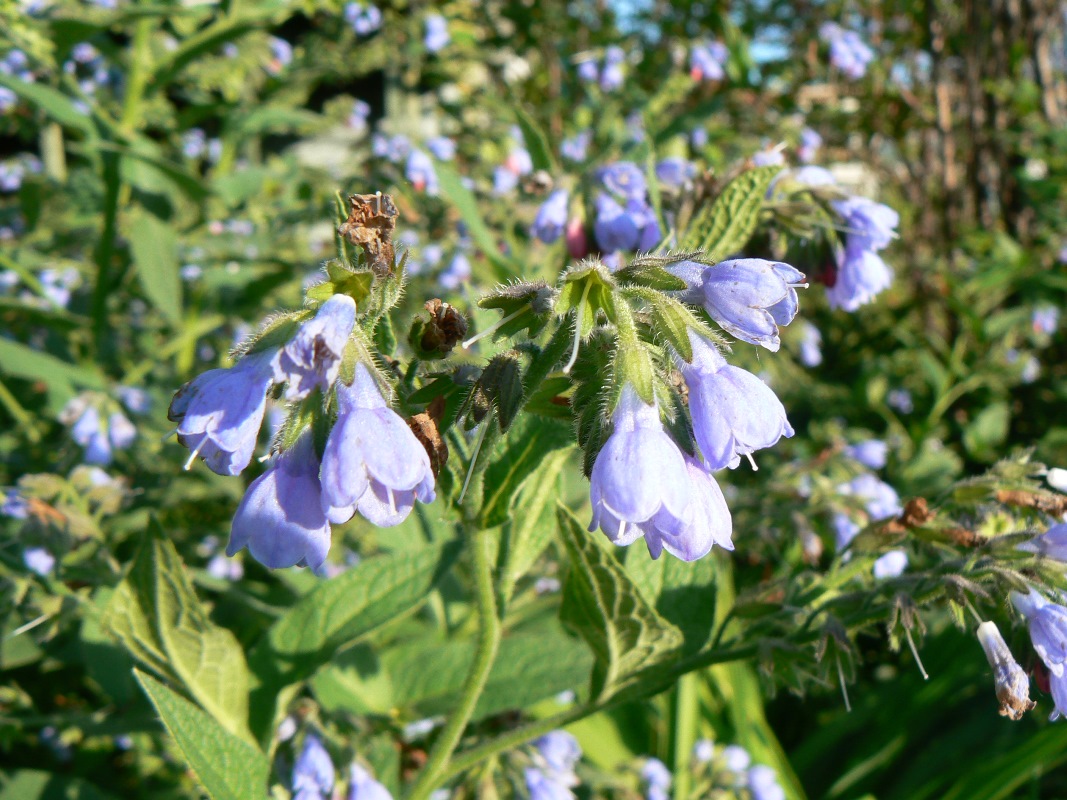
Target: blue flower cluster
<point x="371" y="463"/>
<point x="848" y="52"/>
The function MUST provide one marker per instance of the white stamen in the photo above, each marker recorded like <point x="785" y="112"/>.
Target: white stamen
<point x="492" y="328"/>
<point x="263" y="459"/>
<point x="622" y="528"/>
<point x="752" y="461"/>
<point x="192" y="456"/>
<point x="392" y="500"/>
<point x="801" y="285"/>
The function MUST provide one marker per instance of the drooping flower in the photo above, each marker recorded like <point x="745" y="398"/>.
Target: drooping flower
<point x="675" y="172"/>
<point x="613" y="227"/>
<point x="890" y="565"/>
<point x="657" y="779"/>
<point x="750" y="298"/>
<point x="219" y="413"/>
<point x="280" y="519"/>
<point x="1048" y="628"/>
<point x="870" y="225"/>
<point x="871" y="453"/>
<point x="313" y="774"/>
<point x="734" y="412"/>
<point x="551" y="218"/>
<point x="624" y="179"/>
<point x="543" y="786"/>
<point x="712" y="523"/>
<point x="372" y="462"/>
<point x="435" y="35"/>
<point x="313" y="356"/>
<point x="880" y="500"/>
<point x="560" y="752"/>
<point x="1053" y="542"/>
<point x="1009" y="679"/>
<point x="845" y="529"/>
<point x="639" y="481"/>
<point x="810" y="345"/>
<point x="362" y="786"/>
<point x="861" y="272"/>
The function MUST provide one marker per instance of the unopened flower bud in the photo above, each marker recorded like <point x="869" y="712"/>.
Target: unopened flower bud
<point x="1012" y="683"/>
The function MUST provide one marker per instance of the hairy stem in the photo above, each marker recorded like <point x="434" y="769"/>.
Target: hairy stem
<point x="489" y="629"/>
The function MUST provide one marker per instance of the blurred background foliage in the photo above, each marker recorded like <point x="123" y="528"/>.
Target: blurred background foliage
<point x="168" y="174"/>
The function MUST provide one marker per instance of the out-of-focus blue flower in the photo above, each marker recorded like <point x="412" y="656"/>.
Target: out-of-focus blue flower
<point x="394" y="148"/>
<point x="639" y="481"/>
<point x="588" y="72"/>
<point x="868" y="225"/>
<point x="613" y="227"/>
<point x="420" y="171"/>
<point x="675" y="172"/>
<point x="135" y="399"/>
<point x="848" y="52"/>
<point x="900" y="399"/>
<point x="560" y="750"/>
<point x="542" y="786"/>
<point x="362" y="786"/>
<point x="576" y="148"/>
<point x="551" y="217"/>
<point x="810" y="345"/>
<point x="734" y="412"/>
<point x="372" y="463"/>
<point x="420" y="728"/>
<point x="519" y="161"/>
<point x="443" y="148"/>
<point x="861" y="275"/>
<point x="750" y="297"/>
<point x="698" y="137"/>
<point x="99" y="437"/>
<point x="871" y="453"/>
<point x="879" y="498"/>
<point x="281" y="55"/>
<point x="11" y="174"/>
<point x="219" y="413"/>
<point x="657" y="779"/>
<point x="763" y="783"/>
<point x="624" y="179"/>
<point x="313" y="356"/>
<point x="194" y="143"/>
<point x="1031" y="370"/>
<point x="1048" y="628"/>
<point x="504" y="180"/>
<point x="612" y="75"/>
<point x="635" y="126"/>
<point x="1052" y="543"/>
<point x="435" y="35"/>
<point x="810" y="142"/>
<point x="57" y="284"/>
<point x="707" y="61"/>
<point x="280" y="519"/>
<point x="1011" y="681"/>
<point x="38" y="560"/>
<point x="8" y="99"/>
<point x="1045" y="319"/>
<point x="736" y="758"/>
<point x="313" y="774"/>
<point x="358" y="116"/>
<point x="891" y="565"/>
<point x="364" y="19"/>
<point x="768" y="158"/>
<point x="845" y="529"/>
<point x="457" y="273"/>
<point x="14" y="505"/>
<point x="703" y="751"/>
<point x="224" y="569"/>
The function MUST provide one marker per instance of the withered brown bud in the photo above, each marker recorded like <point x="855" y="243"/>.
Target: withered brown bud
<point x="424" y="426"/>
<point x="435" y="336"/>
<point x="370" y="224"/>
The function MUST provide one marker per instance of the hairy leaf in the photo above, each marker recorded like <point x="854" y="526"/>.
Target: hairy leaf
<point x="726" y="225"/>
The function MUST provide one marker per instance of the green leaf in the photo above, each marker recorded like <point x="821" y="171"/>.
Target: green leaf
<point x="52" y="102"/>
<point x="34" y="784"/>
<point x="154" y="247"/>
<point x="604" y="606"/>
<point x="156" y="615"/>
<point x="652" y="276"/>
<point x="985" y="434"/>
<point x="532" y="665"/>
<point x="346" y="608"/>
<point x="683" y="592"/>
<point x="228" y="767"/>
<point x="527" y="445"/>
<point x="62" y="379"/>
<point x="461" y="198"/>
<point x="536" y="142"/>
<point x="726" y="225"/>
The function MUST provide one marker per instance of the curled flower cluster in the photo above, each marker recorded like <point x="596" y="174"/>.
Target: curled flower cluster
<point x="371" y="462"/>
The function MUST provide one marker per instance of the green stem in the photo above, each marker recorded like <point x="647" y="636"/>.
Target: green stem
<point x="138" y="75"/>
<point x="489" y="631"/>
<point x="686" y="721"/>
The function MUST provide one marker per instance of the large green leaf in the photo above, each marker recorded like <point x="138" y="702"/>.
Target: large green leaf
<point x="682" y="591"/>
<point x="536" y="142"/>
<point x="461" y="198"/>
<point x="156" y="615"/>
<point x="228" y="767"/>
<point x="531" y="666"/>
<point x="52" y="102"/>
<point x="61" y="378"/>
<point x="604" y="606"/>
<point x="154" y="247"/>
<point x="727" y="224"/>
<point x="346" y="608"/>
<point x="529" y="442"/>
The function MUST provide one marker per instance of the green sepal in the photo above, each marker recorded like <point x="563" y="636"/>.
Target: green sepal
<point x="551" y="398"/>
<point x="633" y="364"/>
<point x="275" y="331"/>
<point x="502" y="382"/>
<point x="358" y="349"/>
<point x="300" y="417"/>
<point x="588" y="287"/>
<point x="650" y="271"/>
<point x="342" y="280"/>
<point x="531" y="303"/>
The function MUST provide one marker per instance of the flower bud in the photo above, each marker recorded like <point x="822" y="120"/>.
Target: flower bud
<point x="1012" y="683"/>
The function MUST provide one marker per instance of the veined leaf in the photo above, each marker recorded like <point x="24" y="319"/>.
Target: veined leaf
<point x="154" y="247"/>
<point x="602" y="604"/>
<point x="727" y="224"/>
<point x="156" y="615"/>
<point x="527" y="445"/>
<point x="229" y="767"/>
<point x="682" y="591"/>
